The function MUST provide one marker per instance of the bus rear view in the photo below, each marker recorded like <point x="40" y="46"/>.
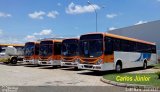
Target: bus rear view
<point x="50" y="52"/>
<point x="70" y="52"/>
<point x="31" y="52"/>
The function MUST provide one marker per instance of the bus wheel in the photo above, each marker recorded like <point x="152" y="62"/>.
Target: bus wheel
<point x="145" y="64"/>
<point x="13" y="61"/>
<point x="118" y="67"/>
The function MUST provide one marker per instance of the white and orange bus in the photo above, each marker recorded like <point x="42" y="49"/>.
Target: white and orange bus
<point x="31" y="52"/>
<point x="104" y="51"/>
<point x="50" y="52"/>
<point x="70" y="52"/>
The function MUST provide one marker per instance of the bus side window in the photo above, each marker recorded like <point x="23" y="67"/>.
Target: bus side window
<point x="124" y="45"/>
<point x="108" y="45"/>
<point x="153" y="49"/>
<point x="116" y="44"/>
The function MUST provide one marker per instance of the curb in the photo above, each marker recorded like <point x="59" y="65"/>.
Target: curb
<point x="125" y="84"/>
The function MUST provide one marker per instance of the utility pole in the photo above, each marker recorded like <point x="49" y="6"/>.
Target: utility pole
<point x="95" y="13"/>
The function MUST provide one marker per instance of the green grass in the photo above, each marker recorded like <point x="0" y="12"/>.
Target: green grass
<point x="131" y="78"/>
<point x="157" y="66"/>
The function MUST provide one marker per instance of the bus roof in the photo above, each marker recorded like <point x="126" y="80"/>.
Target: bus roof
<point x="37" y="42"/>
<point x="122" y="37"/>
<point x="71" y="39"/>
<point x="11" y="44"/>
<point x="50" y="39"/>
<point x="54" y="40"/>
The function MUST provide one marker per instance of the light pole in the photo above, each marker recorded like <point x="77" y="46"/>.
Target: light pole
<point x="95" y="13"/>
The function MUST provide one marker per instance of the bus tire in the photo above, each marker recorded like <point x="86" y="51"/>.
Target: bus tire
<point x="119" y="66"/>
<point x="145" y="64"/>
<point x="14" y="61"/>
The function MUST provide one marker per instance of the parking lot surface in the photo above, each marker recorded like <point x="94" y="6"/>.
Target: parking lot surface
<point x="28" y="75"/>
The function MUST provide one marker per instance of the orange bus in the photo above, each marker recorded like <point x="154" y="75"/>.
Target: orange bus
<point x="70" y="52"/>
<point x="50" y="52"/>
<point x="31" y="52"/>
<point x="104" y="51"/>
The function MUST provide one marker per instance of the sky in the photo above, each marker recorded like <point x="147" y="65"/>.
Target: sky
<point x="30" y="20"/>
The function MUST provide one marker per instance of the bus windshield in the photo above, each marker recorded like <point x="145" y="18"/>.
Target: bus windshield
<point x="46" y="48"/>
<point x="29" y="49"/>
<point x="70" y="47"/>
<point x="91" y="45"/>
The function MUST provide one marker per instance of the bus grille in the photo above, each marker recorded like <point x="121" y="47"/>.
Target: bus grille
<point x="88" y="66"/>
<point x="68" y="58"/>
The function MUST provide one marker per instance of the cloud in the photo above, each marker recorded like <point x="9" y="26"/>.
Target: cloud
<point x="30" y="38"/>
<point x="1" y="31"/>
<point x="4" y="15"/>
<point x="110" y="16"/>
<point x="59" y="4"/>
<point x="11" y="39"/>
<point x="44" y="32"/>
<point x="112" y="28"/>
<point x="140" y="22"/>
<point x="42" y="14"/>
<point x="53" y="14"/>
<point x="37" y="15"/>
<point x="78" y="9"/>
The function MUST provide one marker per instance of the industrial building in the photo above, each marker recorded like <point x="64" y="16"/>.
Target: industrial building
<point x="149" y="31"/>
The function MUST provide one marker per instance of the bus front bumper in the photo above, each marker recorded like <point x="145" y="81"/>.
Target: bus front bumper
<point x="51" y="62"/>
<point x="71" y="64"/>
<point x="32" y="61"/>
<point x="101" y="67"/>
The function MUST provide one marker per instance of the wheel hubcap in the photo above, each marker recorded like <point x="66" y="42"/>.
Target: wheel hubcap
<point x="118" y="68"/>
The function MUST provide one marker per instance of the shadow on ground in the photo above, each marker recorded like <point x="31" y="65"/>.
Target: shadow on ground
<point x="50" y="67"/>
<point x="29" y="65"/>
<point x="18" y="64"/>
<point x="101" y="73"/>
<point x="71" y="69"/>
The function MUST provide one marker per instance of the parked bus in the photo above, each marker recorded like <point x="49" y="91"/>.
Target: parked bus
<point x="70" y="52"/>
<point x="31" y="52"/>
<point x="104" y="51"/>
<point x="11" y="53"/>
<point x="50" y="52"/>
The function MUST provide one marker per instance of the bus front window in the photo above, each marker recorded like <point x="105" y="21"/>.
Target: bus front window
<point x="91" y="48"/>
<point x="29" y="49"/>
<point x="69" y="49"/>
<point x="45" y="50"/>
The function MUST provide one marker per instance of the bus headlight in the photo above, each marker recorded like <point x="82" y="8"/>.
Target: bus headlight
<point x="77" y="61"/>
<point x="99" y="61"/>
